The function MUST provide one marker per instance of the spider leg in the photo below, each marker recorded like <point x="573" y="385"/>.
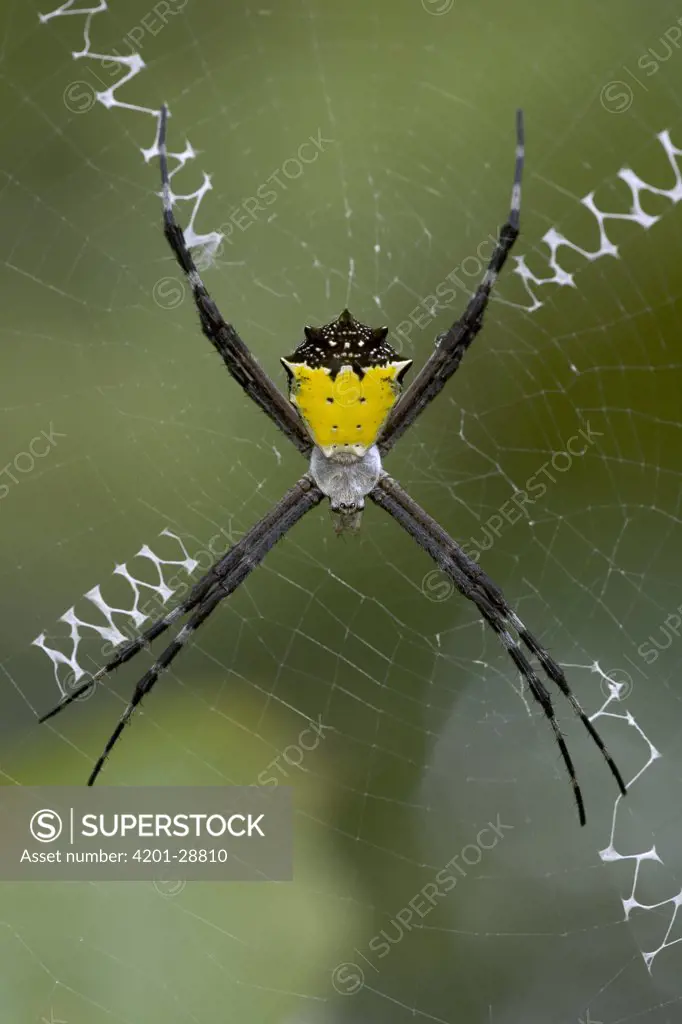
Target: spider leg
<point x="453" y="343"/>
<point x="150" y="677"/>
<point x="222" y="335"/>
<point x="218" y="571"/>
<point x="219" y="582"/>
<point x="473" y="572"/>
<point x="475" y="585"/>
<point x="214" y="593"/>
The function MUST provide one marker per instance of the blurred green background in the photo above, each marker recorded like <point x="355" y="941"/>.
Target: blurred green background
<point x="428" y="736"/>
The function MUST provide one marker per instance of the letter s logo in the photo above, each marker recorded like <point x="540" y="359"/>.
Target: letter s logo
<point x="46" y="826"/>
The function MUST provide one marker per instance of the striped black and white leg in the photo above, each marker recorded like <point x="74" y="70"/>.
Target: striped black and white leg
<point x="453" y="343"/>
<point x="309" y="496"/>
<point x="476" y="577"/>
<point x="222" y="335"/>
<point x="476" y="586"/>
<point x="228" y="573"/>
<point x="222" y="567"/>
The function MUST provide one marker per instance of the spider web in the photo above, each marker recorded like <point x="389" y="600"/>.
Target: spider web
<point x="350" y="670"/>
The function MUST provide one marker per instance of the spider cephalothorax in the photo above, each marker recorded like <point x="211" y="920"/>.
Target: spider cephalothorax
<point x="345" y="394"/>
<point x="344" y="379"/>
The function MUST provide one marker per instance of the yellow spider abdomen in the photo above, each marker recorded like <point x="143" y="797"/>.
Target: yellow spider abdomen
<point x="347" y="412"/>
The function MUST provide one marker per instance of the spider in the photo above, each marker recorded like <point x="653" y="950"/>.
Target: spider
<point x="345" y="410"/>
